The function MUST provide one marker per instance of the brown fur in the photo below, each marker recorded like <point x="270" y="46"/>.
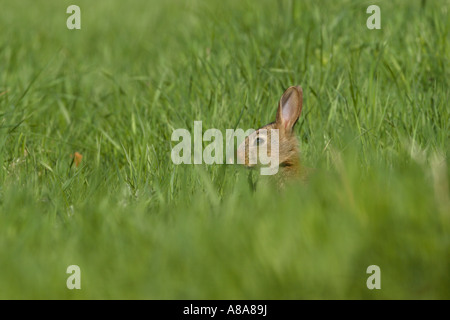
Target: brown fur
<point x="288" y="152"/>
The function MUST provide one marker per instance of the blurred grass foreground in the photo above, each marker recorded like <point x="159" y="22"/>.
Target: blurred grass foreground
<point x="86" y="118"/>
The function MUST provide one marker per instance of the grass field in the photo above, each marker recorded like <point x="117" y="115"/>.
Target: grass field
<point x="375" y="127"/>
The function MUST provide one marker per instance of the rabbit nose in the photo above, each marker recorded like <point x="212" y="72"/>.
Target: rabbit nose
<point x="240" y="155"/>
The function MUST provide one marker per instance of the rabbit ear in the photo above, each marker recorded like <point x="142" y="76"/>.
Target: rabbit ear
<point x="289" y="108"/>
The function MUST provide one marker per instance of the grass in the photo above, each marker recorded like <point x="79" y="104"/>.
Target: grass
<point x="375" y="126"/>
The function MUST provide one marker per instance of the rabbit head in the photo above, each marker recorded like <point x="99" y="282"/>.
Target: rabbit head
<point x="281" y="142"/>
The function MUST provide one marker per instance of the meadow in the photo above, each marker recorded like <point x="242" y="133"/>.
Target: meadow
<point x="374" y="126"/>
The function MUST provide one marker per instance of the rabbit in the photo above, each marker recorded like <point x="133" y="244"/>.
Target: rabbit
<point x="289" y="110"/>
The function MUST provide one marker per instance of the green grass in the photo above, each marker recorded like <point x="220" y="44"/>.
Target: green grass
<point x="375" y="126"/>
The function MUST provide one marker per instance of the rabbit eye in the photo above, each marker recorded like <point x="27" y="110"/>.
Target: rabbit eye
<point x="258" y="141"/>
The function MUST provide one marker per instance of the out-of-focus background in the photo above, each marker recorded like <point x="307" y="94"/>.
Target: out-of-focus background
<point x="375" y="127"/>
